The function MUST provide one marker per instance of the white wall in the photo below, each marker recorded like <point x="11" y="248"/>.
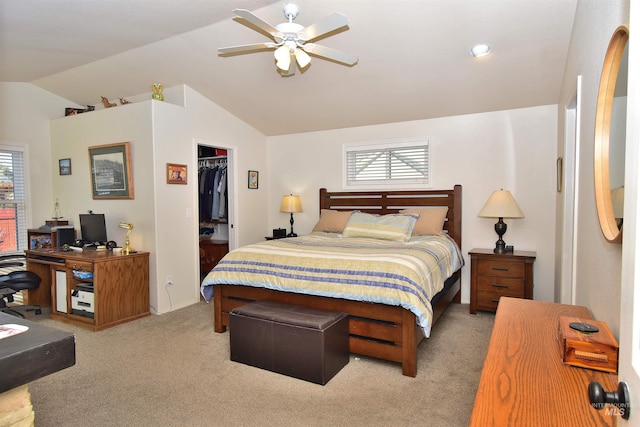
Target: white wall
<point x="165" y="216"/>
<point x="72" y="136"/>
<point x="24" y="121"/>
<point x="598" y="261"/>
<point x="514" y="149"/>
<point x="176" y="133"/>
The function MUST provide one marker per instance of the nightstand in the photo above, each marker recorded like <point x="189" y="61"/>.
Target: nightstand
<point x="497" y="275"/>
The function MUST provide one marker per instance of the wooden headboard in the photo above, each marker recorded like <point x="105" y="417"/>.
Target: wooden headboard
<point x="386" y="202"/>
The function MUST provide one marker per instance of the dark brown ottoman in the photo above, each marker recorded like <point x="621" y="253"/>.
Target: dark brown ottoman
<point x="301" y="342"/>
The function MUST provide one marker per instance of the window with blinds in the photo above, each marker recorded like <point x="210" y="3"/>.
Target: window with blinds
<point x="13" y="222"/>
<point x="398" y="163"/>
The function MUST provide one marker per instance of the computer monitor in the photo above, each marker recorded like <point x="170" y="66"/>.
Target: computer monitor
<point x="93" y="228"/>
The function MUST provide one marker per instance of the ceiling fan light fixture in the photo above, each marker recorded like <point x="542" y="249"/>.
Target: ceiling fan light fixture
<point x="302" y="57"/>
<point x="283" y="57"/>
<point x="291" y="39"/>
<point x="481" y="49"/>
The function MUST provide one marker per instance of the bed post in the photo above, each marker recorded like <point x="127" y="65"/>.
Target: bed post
<point x="323" y="197"/>
<point x="217" y="310"/>
<point x="409" y="345"/>
<point x="457" y="215"/>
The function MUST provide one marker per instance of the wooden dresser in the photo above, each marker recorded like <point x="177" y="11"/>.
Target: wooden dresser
<point x="211" y="252"/>
<point x="496" y="275"/>
<point x="524" y="381"/>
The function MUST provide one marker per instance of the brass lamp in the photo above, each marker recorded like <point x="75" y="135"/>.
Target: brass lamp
<point x="501" y="204"/>
<point x="127" y="249"/>
<point x="291" y="204"/>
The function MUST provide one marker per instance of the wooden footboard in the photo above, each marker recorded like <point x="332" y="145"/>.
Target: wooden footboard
<point x="376" y="330"/>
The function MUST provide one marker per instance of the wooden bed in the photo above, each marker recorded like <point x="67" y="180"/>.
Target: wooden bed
<point x="376" y="330"/>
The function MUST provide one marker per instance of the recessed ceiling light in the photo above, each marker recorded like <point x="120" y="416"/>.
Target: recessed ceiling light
<point x="480" y="50"/>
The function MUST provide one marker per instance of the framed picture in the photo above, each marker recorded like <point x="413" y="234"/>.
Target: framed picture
<point x="111" y="175"/>
<point x="176" y="174"/>
<point x="65" y="166"/>
<point x="253" y="180"/>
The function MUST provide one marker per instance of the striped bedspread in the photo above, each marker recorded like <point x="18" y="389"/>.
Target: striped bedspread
<point x="405" y="274"/>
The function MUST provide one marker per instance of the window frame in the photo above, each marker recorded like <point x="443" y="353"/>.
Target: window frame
<point x="22" y="218"/>
<point x="389" y="183"/>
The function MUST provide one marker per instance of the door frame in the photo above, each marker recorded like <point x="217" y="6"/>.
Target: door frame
<point x="232" y="187"/>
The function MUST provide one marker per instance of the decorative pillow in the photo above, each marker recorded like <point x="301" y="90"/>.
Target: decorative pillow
<point x="332" y="221"/>
<point x="395" y="227"/>
<point x="431" y="220"/>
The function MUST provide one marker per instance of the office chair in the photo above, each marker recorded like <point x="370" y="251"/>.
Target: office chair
<point x="15" y="281"/>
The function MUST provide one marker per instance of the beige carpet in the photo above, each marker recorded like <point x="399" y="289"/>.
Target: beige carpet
<point x="173" y="370"/>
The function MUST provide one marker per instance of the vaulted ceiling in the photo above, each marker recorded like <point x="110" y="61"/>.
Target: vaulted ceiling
<point x="414" y="60"/>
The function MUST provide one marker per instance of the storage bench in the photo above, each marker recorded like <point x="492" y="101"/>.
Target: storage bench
<point x="301" y="342"/>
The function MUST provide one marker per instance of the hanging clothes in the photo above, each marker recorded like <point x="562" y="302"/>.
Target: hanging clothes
<point x="212" y="185"/>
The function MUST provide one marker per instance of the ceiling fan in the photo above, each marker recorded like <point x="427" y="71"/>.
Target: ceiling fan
<point x="291" y="40"/>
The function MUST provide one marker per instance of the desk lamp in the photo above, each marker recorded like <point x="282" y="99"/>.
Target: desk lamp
<point x="501" y="204"/>
<point x="127" y="249"/>
<point x="291" y="204"/>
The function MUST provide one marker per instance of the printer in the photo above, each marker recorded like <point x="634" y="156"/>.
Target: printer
<point x="82" y="300"/>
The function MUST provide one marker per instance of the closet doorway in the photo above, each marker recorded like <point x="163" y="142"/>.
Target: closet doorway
<point x="216" y="203"/>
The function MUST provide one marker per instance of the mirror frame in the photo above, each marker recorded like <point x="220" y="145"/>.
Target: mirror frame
<point x="604" y="108"/>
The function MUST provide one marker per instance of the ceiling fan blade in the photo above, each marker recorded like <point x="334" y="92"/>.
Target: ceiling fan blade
<point x="263" y="25"/>
<point x="330" y="53"/>
<point x="324" y="26"/>
<point x="246" y="48"/>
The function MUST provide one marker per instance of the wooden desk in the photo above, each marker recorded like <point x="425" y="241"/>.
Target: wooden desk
<point x="524" y="381"/>
<point x="120" y="285"/>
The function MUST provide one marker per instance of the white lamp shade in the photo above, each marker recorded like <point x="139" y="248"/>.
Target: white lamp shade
<point x="302" y="58"/>
<point x="501" y="204"/>
<point x="617" y="198"/>
<point x="283" y="57"/>
<point x="291" y="204"/>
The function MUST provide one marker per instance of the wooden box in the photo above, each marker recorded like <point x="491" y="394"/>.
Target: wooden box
<point x="592" y="350"/>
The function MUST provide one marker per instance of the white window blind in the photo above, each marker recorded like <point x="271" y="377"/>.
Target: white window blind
<point x="13" y="222"/>
<point x="392" y="163"/>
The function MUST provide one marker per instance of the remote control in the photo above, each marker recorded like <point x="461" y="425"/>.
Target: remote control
<point x="583" y="327"/>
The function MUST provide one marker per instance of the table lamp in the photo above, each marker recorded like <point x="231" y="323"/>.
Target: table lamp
<point x="501" y="204"/>
<point x="127" y="249"/>
<point x="617" y="199"/>
<point x="291" y="204"/>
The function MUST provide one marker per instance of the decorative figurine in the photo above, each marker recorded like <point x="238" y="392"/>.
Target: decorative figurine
<point x="124" y="101"/>
<point x="157" y="88"/>
<point x="106" y="103"/>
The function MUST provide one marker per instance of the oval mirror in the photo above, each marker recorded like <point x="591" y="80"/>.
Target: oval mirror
<point x="610" y="135"/>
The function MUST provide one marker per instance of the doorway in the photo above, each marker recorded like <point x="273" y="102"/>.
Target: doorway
<point x="215" y="203"/>
<point x="570" y="189"/>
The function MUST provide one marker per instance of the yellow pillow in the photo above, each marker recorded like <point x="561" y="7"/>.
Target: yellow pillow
<point x="332" y="221"/>
<point x="430" y="221"/>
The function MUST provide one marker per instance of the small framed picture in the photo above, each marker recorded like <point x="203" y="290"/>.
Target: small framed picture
<point x="65" y="166"/>
<point x="176" y="174"/>
<point x="253" y="180"/>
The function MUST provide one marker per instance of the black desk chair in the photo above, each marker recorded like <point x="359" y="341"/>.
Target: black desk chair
<point x="12" y="282"/>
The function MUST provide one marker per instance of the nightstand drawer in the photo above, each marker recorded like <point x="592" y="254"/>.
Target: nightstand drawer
<point x="501" y="285"/>
<point x="488" y="301"/>
<point x="500" y="268"/>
